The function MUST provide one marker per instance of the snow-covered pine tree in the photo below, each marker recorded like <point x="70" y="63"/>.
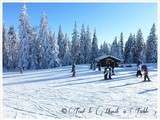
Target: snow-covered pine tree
<point x="43" y="43"/>
<point x="120" y="44"/>
<point x="139" y="45"/>
<point x="75" y="49"/>
<point x="67" y="56"/>
<point x="104" y="49"/>
<point x="151" y="45"/>
<point x="5" y="47"/>
<point x="100" y="52"/>
<point x="143" y="53"/>
<point x="32" y="36"/>
<point x="65" y="42"/>
<point x="33" y="51"/>
<point x="69" y="45"/>
<point x="12" y="49"/>
<point x="114" y="48"/>
<point x="82" y="44"/>
<point x="61" y="44"/>
<point x="94" y="49"/>
<point x="133" y="49"/>
<point x="87" y="46"/>
<point x="53" y="59"/>
<point x="128" y="55"/>
<point x="109" y="48"/>
<point x="50" y="51"/>
<point x="24" y="28"/>
<point x="56" y="52"/>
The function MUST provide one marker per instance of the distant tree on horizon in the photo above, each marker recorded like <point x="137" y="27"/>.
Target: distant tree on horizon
<point x="94" y="48"/>
<point x="151" y="46"/>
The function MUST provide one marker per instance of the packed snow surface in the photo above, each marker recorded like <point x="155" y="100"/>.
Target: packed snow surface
<point x="53" y="93"/>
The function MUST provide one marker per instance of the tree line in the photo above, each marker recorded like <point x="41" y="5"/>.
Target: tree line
<point x="33" y="48"/>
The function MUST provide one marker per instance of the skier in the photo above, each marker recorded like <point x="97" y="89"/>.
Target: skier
<point x="112" y="65"/>
<point x="91" y="65"/>
<point x="107" y="72"/>
<point x="73" y="70"/>
<point x="99" y="66"/>
<point x="139" y="69"/>
<point x="94" y="65"/>
<point x="20" y="70"/>
<point x="72" y="67"/>
<point x="145" y="70"/>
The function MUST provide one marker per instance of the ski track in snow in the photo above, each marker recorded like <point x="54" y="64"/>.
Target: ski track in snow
<point x="45" y="93"/>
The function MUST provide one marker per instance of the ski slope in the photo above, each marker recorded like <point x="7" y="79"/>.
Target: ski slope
<point x="53" y="93"/>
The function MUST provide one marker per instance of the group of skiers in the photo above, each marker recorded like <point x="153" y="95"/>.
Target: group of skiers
<point x="109" y="71"/>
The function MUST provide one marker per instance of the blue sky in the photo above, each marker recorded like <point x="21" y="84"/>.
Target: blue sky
<point x="109" y="19"/>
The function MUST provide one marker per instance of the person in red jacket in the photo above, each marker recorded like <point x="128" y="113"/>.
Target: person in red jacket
<point x="145" y="70"/>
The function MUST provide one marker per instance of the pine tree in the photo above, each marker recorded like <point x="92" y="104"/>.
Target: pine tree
<point x="69" y="45"/>
<point x="67" y="56"/>
<point x="114" y="48"/>
<point x="87" y="46"/>
<point x="120" y="44"/>
<point x="56" y="52"/>
<point x="94" y="49"/>
<point x="53" y="59"/>
<point x="143" y="53"/>
<point x="151" y="54"/>
<point x="12" y="49"/>
<point x="24" y="27"/>
<point x="32" y="36"/>
<point x="43" y="43"/>
<point x="128" y="53"/>
<point x="104" y="49"/>
<point x="75" y="49"/>
<point x="139" y="45"/>
<point x="5" y="47"/>
<point x="133" y="50"/>
<point x="67" y="53"/>
<point x="61" y="44"/>
<point x="82" y="44"/>
<point x="101" y="52"/>
<point x="33" y="62"/>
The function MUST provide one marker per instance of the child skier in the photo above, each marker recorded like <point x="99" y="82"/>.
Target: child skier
<point x="145" y="70"/>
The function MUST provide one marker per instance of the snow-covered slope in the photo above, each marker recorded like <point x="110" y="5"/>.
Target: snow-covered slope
<point x="53" y="93"/>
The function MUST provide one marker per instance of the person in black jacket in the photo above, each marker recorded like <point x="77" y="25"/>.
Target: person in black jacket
<point x="99" y="66"/>
<point x="73" y="70"/>
<point x="112" y="67"/>
<point x="145" y="70"/>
